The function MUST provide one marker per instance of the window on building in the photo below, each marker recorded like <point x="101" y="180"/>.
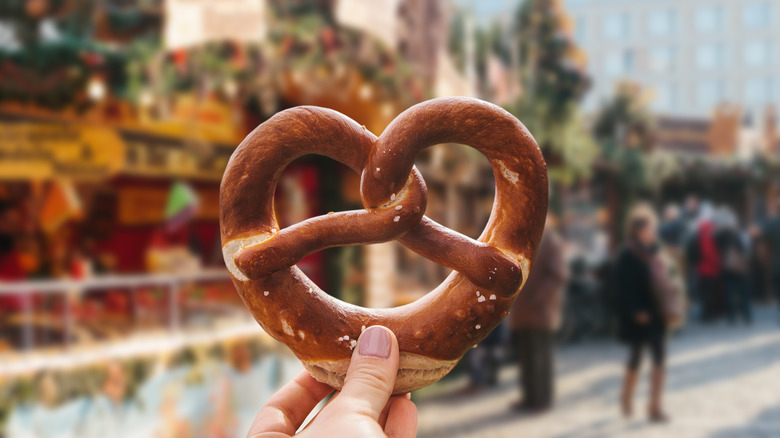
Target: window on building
<point x="758" y="53"/>
<point x="613" y="64"/>
<point x="628" y="61"/>
<point x="619" y="63"/>
<point x="710" y="56"/>
<point x="758" y="91"/>
<point x="709" y="18"/>
<point x="661" y="59"/>
<point x="665" y="98"/>
<point x="616" y="26"/>
<point x="756" y="14"/>
<point x="661" y="23"/>
<point x="709" y="93"/>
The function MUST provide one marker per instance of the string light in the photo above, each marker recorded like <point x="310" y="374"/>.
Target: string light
<point x="96" y="89"/>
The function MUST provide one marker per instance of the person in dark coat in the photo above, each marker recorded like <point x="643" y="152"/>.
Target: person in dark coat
<point x="641" y="321"/>
<point x="484" y="361"/>
<point x="708" y="270"/>
<point x="771" y="234"/>
<point x="673" y="229"/>
<point x="691" y="214"/>
<point x="734" y="267"/>
<point x="534" y="318"/>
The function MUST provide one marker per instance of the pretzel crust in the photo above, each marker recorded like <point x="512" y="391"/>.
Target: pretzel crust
<point x="433" y="332"/>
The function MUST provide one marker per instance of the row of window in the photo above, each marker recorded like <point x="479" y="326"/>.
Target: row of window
<point x="710" y="92"/>
<point x="706" y="19"/>
<point x="711" y="56"/>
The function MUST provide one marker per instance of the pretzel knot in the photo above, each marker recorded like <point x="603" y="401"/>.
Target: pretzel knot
<point x="488" y="273"/>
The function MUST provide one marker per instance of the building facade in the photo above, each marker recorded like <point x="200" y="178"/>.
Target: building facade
<point x="690" y="54"/>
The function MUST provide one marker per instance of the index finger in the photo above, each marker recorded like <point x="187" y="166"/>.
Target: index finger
<point x="285" y="411"/>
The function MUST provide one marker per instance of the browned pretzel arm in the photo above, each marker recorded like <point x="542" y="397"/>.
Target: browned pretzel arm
<point x="466" y="256"/>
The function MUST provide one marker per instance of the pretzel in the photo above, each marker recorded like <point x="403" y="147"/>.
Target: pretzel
<point x="433" y="332"/>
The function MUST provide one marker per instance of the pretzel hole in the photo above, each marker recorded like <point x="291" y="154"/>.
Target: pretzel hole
<point x="461" y="192"/>
<point x="315" y="185"/>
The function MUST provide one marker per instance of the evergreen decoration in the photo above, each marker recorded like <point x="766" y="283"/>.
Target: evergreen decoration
<point x="552" y="74"/>
<point x="624" y="129"/>
<point x="121" y="43"/>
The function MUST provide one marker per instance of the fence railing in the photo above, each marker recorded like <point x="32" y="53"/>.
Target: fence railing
<point x="26" y="290"/>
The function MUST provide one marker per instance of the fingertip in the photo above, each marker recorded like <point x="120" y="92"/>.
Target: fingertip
<point x="286" y="410"/>
<point x="401" y="419"/>
<point x="383" y="416"/>
<point x="305" y="379"/>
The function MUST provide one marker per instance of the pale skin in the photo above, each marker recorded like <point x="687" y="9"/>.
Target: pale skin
<point x="363" y="408"/>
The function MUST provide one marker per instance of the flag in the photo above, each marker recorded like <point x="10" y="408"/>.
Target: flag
<point x="181" y="206"/>
<point x="60" y="204"/>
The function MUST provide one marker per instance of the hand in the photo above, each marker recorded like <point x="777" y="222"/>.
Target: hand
<point x="642" y="318"/>
<point x="363" y="408"/>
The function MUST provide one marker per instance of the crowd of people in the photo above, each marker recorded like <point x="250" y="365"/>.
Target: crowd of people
<point x="696" y="262"/>
<point x="726" y="265"/>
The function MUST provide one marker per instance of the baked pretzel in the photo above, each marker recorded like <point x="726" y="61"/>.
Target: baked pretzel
<point x="433" y="332"/>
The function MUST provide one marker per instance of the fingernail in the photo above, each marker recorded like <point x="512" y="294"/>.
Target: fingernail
<point x="375" y="341"/>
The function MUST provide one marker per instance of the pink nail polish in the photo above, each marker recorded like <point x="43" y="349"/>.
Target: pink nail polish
<point x="375" y="341"/>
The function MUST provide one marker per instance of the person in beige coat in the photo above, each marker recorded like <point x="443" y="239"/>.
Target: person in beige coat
<point x="534" y="319"/>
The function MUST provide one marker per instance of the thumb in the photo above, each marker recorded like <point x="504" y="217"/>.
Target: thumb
<point x="372" y="371"/>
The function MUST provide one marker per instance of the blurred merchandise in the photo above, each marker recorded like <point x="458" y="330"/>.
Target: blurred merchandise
<point x="118" y="118"/>
<point x="175" y="390"/>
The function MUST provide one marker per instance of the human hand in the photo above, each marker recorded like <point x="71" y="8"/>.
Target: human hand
<point x="363" y="408"/>
<point x="642" y="318"/>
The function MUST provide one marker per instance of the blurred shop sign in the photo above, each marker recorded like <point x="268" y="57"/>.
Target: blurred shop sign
<point x="378" y="17"/>
<point x="146" y="206"/>
<point x="141" y="206"/>
<point x="208" y="118"/>
<point x="723" y="135"/>
<point x="172" y="157"/>
<point x="45" y="151"/>
<point x="194" y="22"/>
<point x="197" y="119"/>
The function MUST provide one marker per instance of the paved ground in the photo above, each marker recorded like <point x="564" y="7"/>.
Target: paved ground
<point x="723" y="382"/>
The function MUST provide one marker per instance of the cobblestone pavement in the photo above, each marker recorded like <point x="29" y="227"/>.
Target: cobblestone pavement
<point x="723" y="382"/>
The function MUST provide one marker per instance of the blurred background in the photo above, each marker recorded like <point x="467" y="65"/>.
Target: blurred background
<point x="117" y="118"/>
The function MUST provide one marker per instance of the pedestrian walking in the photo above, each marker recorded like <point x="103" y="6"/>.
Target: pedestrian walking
<point x="534" y="318"/>
<point x="642" y="320"/>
